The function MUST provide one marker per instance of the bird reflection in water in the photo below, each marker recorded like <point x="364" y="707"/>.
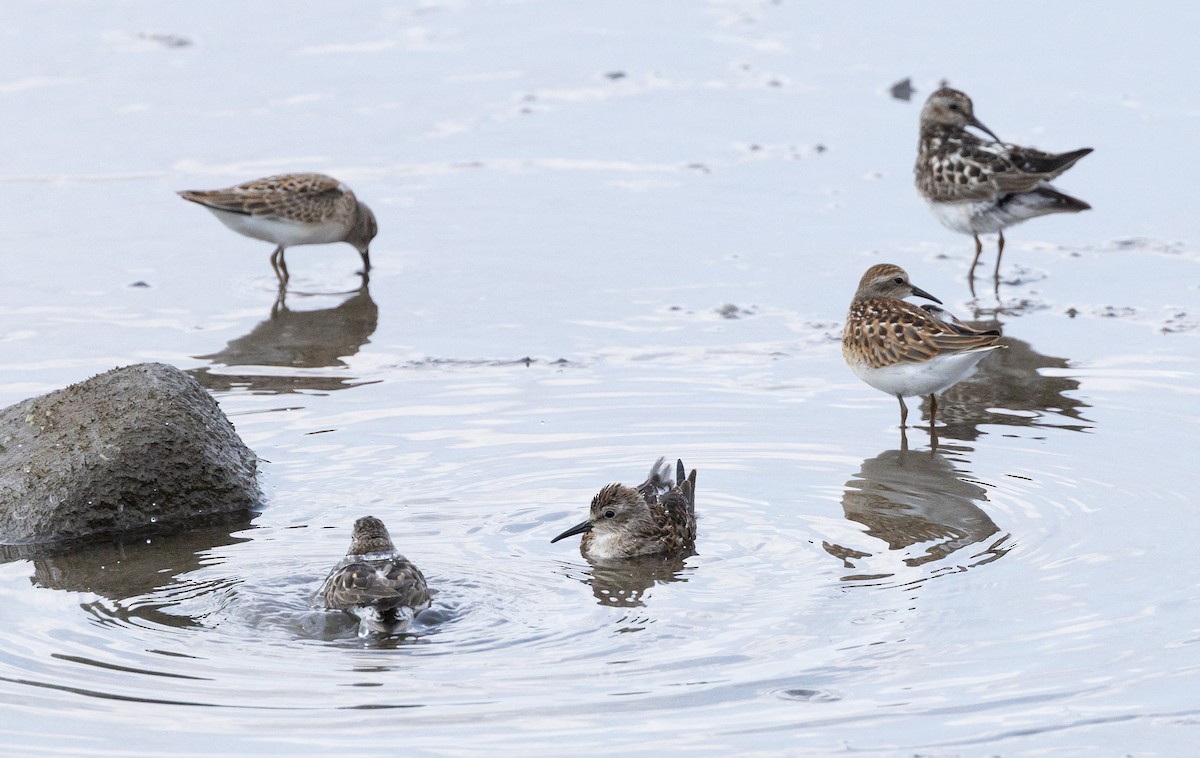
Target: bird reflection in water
<point x="917" y="502"/>
<point x="1016" y="386"/>
<point x="296" y="339"/>
<point x="626" y="583"/>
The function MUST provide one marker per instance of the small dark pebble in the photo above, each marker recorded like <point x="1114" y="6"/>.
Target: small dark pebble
<point x="166" y="40"/>
<point x="903" y="89"/>
<point x="807" y="695"/>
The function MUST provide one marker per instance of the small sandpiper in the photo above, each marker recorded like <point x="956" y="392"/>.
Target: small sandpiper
<point x="906" y="350"/>
<point x="374" y="582"/>
<point x="292" y="209"/>
<point x="656" y="518"/>
<point x="976" y="186"/>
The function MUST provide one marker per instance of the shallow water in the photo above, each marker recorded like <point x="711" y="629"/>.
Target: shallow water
<point x="613" y="232"/>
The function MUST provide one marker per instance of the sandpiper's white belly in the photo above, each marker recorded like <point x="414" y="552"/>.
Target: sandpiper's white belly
<point x="605" y="545"/>
<point x="281" y="231"/>
<point x="919" y="379"/>
<point x="970" y="217"/>
<point x="989" y="216"/>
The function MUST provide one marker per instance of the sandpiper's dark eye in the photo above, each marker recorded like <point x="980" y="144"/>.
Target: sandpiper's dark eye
<point x="953" y="106"/>
<point x="610" y="514"/>
<point x="899" y="280"/>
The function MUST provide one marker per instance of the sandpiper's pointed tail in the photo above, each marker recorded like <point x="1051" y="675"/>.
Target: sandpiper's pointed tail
<point x="687" y="485"/>
<point x="1040" y="201"/>
<point x="1051" y="164"/>
<point x="1051" y="200"/>
<point x="220" y="200"/>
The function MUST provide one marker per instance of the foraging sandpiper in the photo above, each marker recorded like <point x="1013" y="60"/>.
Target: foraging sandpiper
<point x="292" y="209"/>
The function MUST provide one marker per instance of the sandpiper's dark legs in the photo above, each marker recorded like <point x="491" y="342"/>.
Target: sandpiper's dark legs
<point x="280" y="304"/>
<point x="903" y="412"/>
<point x="279" y="265"/>
<point x="999" y="252"/>
<point x="366" y="256"/>
<point x="932" y="411"/>
<point x="978" y="251"/>
<point x="974" y="263"/>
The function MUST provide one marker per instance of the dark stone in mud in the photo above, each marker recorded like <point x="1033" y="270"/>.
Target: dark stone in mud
<point x="137" y="446"/>
<point x="903" y="89"/>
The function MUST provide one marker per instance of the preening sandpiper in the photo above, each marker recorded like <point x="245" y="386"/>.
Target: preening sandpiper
<point x="658" y="517"/>
<point x="292" y="209"/>
<point x="977" y="186"/>
<point x="374" y="583"/>
<point x="903" y="349"/>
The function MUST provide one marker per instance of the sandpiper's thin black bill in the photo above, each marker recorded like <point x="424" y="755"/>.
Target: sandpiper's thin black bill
<point x="586" y="526"/>
<point x="979" y="125"/>
<point x="918" y="292"/>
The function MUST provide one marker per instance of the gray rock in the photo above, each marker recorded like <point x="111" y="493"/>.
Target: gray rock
<point x="137" y="446"/>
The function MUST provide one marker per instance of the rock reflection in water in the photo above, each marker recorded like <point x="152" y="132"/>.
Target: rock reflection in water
<point x="916" y="501"/>
<point x="137" y="574"/>
<point x="1010" y="380"/>
<point x="296" y="339"/>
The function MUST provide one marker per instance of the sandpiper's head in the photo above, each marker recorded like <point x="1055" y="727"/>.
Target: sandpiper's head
<point x="889" y="280"/>
<point x="370" y="536"/>
<point x="949" y="107"/>
<point x="616" y="509"/>
<point x="364" y="229"/>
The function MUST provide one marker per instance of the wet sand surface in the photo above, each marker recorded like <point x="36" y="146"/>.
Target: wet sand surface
<point x="612" y="232"/>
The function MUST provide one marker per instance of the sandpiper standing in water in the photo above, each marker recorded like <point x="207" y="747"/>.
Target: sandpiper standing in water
<point x="977" y="186"/>
<point x="292" y="209"/>
<point x="658" y="517"/>
<point x="382" y="588"/>
<point x="903" y="349"/>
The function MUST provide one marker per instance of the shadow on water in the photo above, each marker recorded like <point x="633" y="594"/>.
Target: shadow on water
<point x="137" y="575"/>
<point x="295" y="339"/>
<point x="919" y="503"/>
<point x="1009" y="389"/>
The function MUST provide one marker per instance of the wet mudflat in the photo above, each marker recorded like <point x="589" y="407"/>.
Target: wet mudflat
<point x="610" y="233"/>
